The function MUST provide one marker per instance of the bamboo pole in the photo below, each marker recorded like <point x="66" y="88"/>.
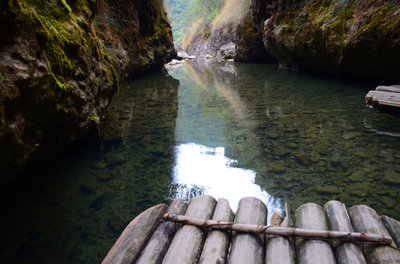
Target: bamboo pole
<point x="339" y="220"/>
<point x="216" y="246"/>
<point x="135" y="236"/>
<point x="280" y="231"/>
<point x="161" y="239"/>
<point x="365" y="219"/>
<point x="393" y="226"/>
<point x="311" y="216"/>
<point x="248" y="248"/>
<point x="186" y="246"/>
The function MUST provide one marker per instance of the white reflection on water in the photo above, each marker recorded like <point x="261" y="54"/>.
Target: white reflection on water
<point x="197" y="165"/>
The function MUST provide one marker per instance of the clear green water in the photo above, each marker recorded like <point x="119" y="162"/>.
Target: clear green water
<point x="231" y="131"/>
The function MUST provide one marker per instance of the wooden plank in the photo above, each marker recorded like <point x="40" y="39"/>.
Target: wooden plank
<point x="311" y="216"/>
<point x="249" y="248"/>
<point x="373" y="97"/>
<point x="393" y="226"/>
<point x="216" y="247"/>
<point x="188" y="241"/>
<point x="339" y="220"/>
<point x="135" y="236"/>
<point x="380" y="94"/>
<point x="392" y="89"/>
<point x="158" y="244"/>
<point x="384" y="101"/>
<point x="393" y="103"/>
<point x="365" y="219"/>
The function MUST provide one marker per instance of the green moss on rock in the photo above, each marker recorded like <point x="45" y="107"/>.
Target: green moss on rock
<point x="359" y="38"/>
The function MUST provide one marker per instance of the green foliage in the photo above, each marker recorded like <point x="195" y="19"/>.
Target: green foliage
<point x="66" y="6"/>
<point x="184" y="13"/>
<point x="95" y="119"/>
<point x="179" y="17"/>
<point x="207" y="9"/>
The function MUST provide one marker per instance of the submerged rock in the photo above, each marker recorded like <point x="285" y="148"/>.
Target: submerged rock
<point x="304" y="160"/>
<point x="357" y="176"/>
<point x="358" y="189"/>
<point x="327" y="189"/>
<point x="391" y="177"/>
<point x="277" y="167"/>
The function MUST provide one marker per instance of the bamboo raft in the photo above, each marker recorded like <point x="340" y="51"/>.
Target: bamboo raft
<point x="385" y="99"/>
<point x="207" y="231"/>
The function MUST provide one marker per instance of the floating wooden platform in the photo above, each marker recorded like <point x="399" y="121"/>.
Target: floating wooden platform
<point x="385" y="99"/>
<point x="201" y="232"/>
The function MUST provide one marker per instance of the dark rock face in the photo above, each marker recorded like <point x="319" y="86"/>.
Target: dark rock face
<point x="250" y="34"/>
<point x="356" y="38"/>
<point x="145" y="41"/>
<point x="60" y="64"/>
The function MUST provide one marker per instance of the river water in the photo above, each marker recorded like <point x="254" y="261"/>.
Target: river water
<point x="229" y="130"/>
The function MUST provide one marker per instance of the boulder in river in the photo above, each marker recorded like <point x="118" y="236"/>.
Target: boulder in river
<point x="227" y="51"/>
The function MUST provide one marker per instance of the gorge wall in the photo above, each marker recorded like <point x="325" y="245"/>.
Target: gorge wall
<point x="356" y="38"/>
<point x="344" y="37"/>
<point x="62" y="61"/>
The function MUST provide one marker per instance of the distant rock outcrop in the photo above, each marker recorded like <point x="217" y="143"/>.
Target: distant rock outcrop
<point x="239" y="22"/>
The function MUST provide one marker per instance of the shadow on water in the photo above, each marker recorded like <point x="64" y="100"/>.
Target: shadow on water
<point x="76" y="209"/>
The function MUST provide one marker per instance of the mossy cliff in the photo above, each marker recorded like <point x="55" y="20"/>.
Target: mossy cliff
<point x="344" y="37"/>
<point x="61" y="62"/>
<point x="356" y="38"/>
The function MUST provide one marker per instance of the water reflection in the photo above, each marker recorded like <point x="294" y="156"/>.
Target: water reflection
<point x="304" y="138"/>
<point x="213" y="123"/>
<point x="215" y="173"/>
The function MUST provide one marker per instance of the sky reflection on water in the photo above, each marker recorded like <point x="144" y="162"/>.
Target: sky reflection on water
<point x="209" y="169"/>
